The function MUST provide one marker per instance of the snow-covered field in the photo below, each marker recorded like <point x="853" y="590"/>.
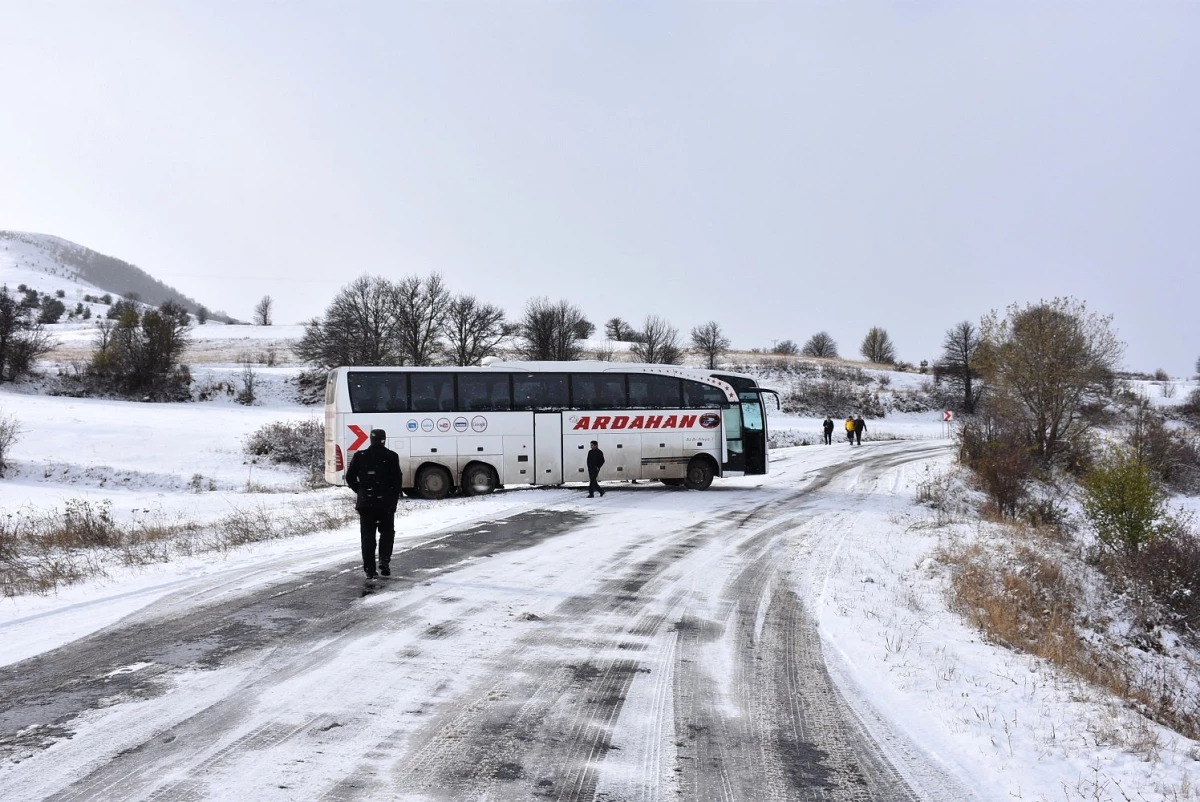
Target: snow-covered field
<point x="957" y="717"/>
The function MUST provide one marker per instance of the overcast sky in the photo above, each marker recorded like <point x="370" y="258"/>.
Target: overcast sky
<point x="781" y="168"/>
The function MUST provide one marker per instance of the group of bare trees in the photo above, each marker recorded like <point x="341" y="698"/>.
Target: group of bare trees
<point x="418" y="321"/>
<point x="413" y="321"/>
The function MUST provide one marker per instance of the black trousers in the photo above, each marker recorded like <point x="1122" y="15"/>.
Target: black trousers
<point x="593" y="485"/>
<point x="368" y="521"/>
<point x="829" y="437"/>
<point x="858" y="436"/>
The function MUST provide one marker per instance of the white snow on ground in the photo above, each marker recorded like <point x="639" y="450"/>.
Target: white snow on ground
<point x="1006" y="725"/>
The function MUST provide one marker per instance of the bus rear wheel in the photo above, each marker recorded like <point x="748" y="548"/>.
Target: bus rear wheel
<point x="479" y="480"/>
<point x="434" y="483"/>
<point x="699" y="474"/>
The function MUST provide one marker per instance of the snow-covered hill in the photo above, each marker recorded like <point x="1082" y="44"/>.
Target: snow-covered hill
<point x="51" y="265"/>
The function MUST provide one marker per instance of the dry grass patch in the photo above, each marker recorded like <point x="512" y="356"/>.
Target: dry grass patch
<point x="41" y="551"/>
<point x="1028" y="593"/>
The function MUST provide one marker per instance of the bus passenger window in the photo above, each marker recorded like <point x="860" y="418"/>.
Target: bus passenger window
<point x="703" y="396"/>
<point x="432" y="392"/>
<point x="483" y="392"/>
<point x="540" y="391"/>
<point x="378" y="391"/>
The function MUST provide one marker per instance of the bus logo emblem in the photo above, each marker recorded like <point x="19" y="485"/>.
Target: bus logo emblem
<point x="427" y="425"/>
<point x="479" y="424"/>
<point x="460" y="424"/>
<point x="412" y="425"/>
<point x="444" y="425"/>
<point x="710" y="420"/>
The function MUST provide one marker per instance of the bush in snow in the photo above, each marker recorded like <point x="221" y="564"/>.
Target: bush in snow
<point x="52" y="311"/>
<point x="993" y="445"/>
<point x="1124" y="502"/>
<point x="10" y="432"/>
<point x="300" y="443"/>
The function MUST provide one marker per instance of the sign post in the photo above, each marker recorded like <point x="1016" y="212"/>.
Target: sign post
<point x="947" y="420"/>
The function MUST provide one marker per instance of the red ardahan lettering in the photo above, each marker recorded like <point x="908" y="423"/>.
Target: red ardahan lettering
<point x="615" y="422"/>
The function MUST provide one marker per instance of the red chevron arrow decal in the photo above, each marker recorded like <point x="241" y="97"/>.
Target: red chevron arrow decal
<point x="360" y="435"/>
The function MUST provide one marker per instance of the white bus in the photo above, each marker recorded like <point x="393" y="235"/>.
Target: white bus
<point x="530" y="423"/>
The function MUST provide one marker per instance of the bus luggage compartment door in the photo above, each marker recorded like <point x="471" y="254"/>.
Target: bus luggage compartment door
<point x="547" y="448"/>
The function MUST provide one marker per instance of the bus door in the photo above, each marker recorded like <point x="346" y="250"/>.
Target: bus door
<point x="547" y="448"/>
<point x="754" y="433"/>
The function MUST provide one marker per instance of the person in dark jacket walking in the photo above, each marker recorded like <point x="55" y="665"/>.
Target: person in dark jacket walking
<point x="595" y="461"/>
<point x="860" y="426"/>
<point x="828" y="427"/>
<point x="374" y="474"/>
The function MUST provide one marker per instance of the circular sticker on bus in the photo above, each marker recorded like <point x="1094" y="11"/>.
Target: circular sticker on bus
<point x="479" y="423"/>
<point x="710" y="420"/>
<point x="412" y="425"/>
<point x="460" y="424"/>
<point x="444" y="425"/>
<point x="427" y="424"/>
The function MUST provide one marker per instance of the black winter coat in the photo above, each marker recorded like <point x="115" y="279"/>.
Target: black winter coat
<point x="374" y="474"/>
<point x="595" y="460"/>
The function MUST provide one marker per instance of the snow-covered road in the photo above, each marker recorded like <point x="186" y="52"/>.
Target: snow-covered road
<point x="651" y="644"/>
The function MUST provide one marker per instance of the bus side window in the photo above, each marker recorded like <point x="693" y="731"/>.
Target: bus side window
<point x="432" y="392"/>
<point x="697" y="395"/>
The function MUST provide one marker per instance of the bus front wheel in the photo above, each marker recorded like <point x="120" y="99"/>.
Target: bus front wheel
<point x="434" y="483"/>
<point x="479" y="480"/>
<point x="699" y="474"/>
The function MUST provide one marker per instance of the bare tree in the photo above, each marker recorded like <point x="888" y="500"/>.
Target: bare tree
<point x="877" y="347"/>
<point x="617" y="329"/>
<point x="820" y="345"/>
<point x="201" y="314"/>
<point x="262" y="311"/>
<point x="22" y="339"/>
<point x="959" y="366"/>
<point x="785" y="348"/>
<point x="710" y="342"/>
<point x="421" y="312"/>
<point x="360" y="327"/>
<point x="550" y="331"/>
<point x="1051" y="358"/>
<point x="585" y="329"/>
<point x="659" y="344"/>
<point x="473" y="330"/>
<point x="1198" y="367"/>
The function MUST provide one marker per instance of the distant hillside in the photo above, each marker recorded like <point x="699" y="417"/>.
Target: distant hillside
<point x="55" y="256"/>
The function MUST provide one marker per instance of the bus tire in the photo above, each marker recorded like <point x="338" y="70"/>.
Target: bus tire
<point x="479" y="480"/>
<point x="672" y="482"/>
<point x="434" y="482"/>
<point x="699" y="473"/>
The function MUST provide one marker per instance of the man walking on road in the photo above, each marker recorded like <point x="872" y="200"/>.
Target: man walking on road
<point x="595" y="461"/>
<point x="828" y="427"/>
<point x="374" y="474"/>
<point x="860" y="426"/>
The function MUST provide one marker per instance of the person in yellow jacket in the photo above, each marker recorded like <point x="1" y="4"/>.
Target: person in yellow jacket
<point x="850" y="430"/>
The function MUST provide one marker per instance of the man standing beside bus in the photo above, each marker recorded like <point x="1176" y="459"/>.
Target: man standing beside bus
<point x="595" y="461"/>
<point x="374" y="475"/>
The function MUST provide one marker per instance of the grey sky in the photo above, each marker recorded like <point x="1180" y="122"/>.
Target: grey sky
<point x="782" y="168"/>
